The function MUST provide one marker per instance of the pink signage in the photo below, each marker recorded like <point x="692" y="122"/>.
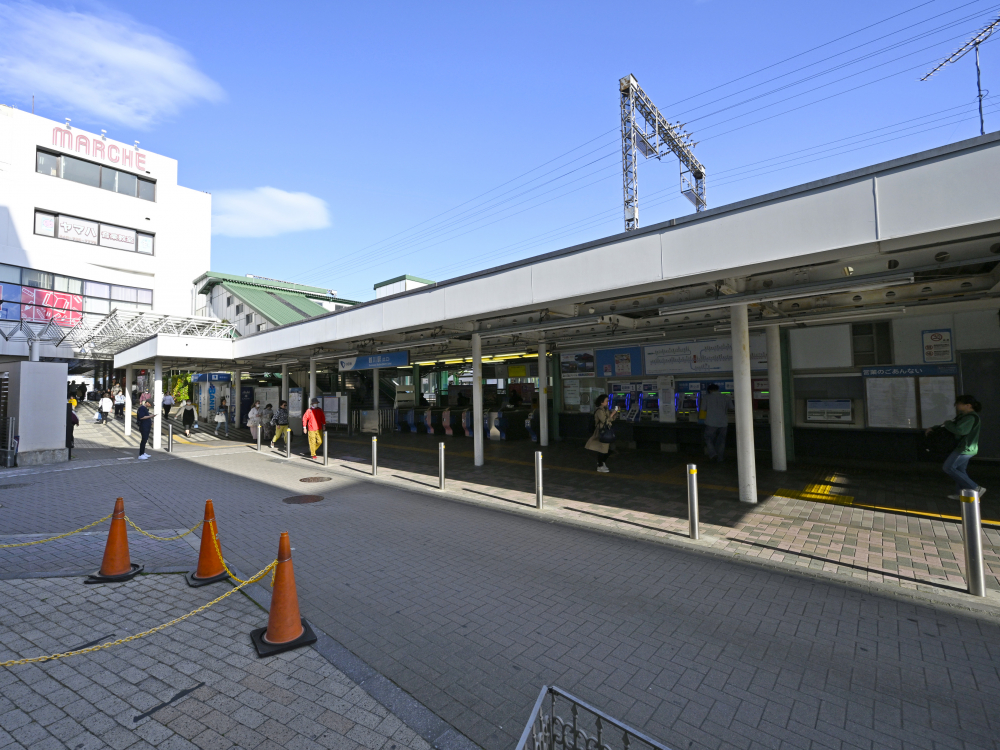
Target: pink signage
<point x="47" y="298"/>
<point x="97" y="148"/>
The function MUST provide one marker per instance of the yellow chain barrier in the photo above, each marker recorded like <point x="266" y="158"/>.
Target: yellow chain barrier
<point x="202" y="608"/>
<point x="61" y="536"/>
<point x="163" y="538"/>
<point x="215" y="541"/>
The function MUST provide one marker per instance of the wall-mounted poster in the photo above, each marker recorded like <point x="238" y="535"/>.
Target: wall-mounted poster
<point x="937" y="399"/>
<point x="829" y="410"/>
<point x="577" y="364"/>
<point x="713" y="354"/>
<point x="892" y="402"/>
<point x="617" y="363"/>
<point x="937" y="346"/>
<point x="571" y="393"/>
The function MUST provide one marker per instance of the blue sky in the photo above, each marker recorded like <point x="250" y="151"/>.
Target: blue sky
<point x="345" y="144"/>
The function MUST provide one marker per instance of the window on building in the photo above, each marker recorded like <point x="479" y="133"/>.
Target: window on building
<point x="72" y="286"/>
<point x="872" y="343"/>
<point x="10" y="274"/>
<point x="47" y="164"/>
<point x="95" y="289"/>
<point x="127" y="184"/>
<point x="145" y="296"/>
<point x="249" y="318"/>
<point x="229" y="300"/>
<point x="144" y="244"/>
<point x="147" y="190"/>
<point x="124" y="293"/>
<point x="38" y="279"/>
<point x="96" y="175"/>
<point x="81" y="171"/>
<point x="239" y="309"/>
<point x="261" y="326"/>
<point x="102" y="306"/>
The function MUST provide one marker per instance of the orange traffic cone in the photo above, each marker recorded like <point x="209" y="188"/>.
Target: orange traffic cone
<point x="285" y="627"/>
<point x="117" y="565"/>
<point x="210" y="568"/>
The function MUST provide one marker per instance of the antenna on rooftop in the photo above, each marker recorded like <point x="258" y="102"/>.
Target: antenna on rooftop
<point x="958" y="54"/>
<point x="656" y="137"/>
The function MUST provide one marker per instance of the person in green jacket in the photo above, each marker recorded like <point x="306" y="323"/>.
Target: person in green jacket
<point x="965" y="427"/>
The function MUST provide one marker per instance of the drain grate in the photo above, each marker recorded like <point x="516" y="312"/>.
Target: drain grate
<point x="302" y="499"/>
<point x="316" y="479"/>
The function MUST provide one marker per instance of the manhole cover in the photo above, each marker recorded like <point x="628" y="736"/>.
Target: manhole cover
<point x="316" y="479"/>
<point x="302" y="499"/>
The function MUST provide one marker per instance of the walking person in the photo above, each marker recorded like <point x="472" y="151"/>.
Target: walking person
<point x="254" y="419"/>
<point x="965" y="428"/>
<point x="222" y="417"/>
<point x="119" y="405"/>
<point x="107" y="407"/>
<point x="600" y="441"/>
<point x="715" y="408"/>
<point x="266" y="428"/>
<point x="168" y="404"/>
<point x="144" y="417"/>
<point x="189" y="416"/>
<point x="280" y="422"/>
<point x="71" y="422"/>
<point x="313" y="422"/>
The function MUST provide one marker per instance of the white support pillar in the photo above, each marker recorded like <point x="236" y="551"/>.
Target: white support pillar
<point x="284" y="382"/>
<point x="776" y="393"/>
<point x="313" y="392"/>
<point x="157" y="402"/>
<point x="744" y="405"/>
<point x="375" y="394"/>
<point x="543" y="397"/>
<point x="34" y="350"/>
<point x="128" y="400"/>
<point x="477" y="399"/>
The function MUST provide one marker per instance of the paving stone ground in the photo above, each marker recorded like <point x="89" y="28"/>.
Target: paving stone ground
<point x="471" y="601"/>
<point x="198" y="684"/>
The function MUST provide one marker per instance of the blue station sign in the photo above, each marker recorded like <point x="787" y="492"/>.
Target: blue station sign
<point x="374" y="361"/>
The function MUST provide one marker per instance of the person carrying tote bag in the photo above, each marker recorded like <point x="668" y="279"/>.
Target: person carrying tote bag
<point x="604" y="434"/>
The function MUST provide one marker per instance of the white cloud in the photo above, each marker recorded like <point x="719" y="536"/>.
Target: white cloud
<point x="107" y="66"/>
<point x="266" y="212"/>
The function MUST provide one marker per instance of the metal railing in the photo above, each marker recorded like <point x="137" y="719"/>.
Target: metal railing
<point x="572" y="724"/>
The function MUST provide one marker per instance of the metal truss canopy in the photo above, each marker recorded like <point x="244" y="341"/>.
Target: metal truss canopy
<point x="122" y="329"/>
<point x="655" y="138"/>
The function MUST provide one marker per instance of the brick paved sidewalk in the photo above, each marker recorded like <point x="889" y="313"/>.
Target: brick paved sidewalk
<point x="198" y="684"/>
<point x="807" y="529"/>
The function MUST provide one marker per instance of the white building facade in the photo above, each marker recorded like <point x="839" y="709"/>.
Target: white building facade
<point x="89" y="224"/>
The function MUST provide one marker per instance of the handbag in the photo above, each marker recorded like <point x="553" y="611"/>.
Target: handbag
<point x="607" y="433"/>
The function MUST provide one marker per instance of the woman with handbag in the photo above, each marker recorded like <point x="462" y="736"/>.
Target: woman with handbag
<point x="604" y="434"/>
<point x="964" y="429"/>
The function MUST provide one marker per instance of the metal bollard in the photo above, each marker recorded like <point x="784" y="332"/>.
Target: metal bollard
<point x="440" y="466"/>
<point x="259" y="433"/>
<point x="972" y="532"/>
<point x="288" y="443"/>
<point x="326" y="457"/>
<point x="10" y="432"/>
<point x="538" y="480"/>
<point x="170" y="438"/>
<point x="374" y="456"/>
<point x="693" y="502"/>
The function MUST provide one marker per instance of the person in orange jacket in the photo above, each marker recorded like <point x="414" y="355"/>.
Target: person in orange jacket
<point x="313" y="422"/>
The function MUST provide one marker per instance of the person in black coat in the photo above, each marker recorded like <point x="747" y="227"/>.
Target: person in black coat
<point x="71" y="422"/>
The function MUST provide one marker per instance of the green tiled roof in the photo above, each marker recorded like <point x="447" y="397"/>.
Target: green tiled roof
<point x="211" y="278"/>
<point x="280" y="302"/>
<point x="279" y="307"/>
